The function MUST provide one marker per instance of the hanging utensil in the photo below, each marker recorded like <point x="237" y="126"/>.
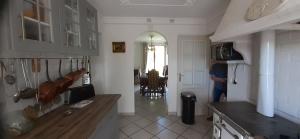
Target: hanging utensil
<point x="28" y="92"/>
<point x="3" y="69"/>
<point x="89" y="69"/>
<point x="79" y="72"/>
<point x="86" y="79"/>
<point x="27" y="73"/>
<point x="83" y="69"/>
<point x="36" y="69"/>
<point x="70" y="75"/>
<point x="10" y="78"/>
<point x="62" y="82"/>
<point x="67" y="81"/>
<point x="48" y="89"/>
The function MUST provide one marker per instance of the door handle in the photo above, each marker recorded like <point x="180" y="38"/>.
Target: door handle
<point x="180" y="76"/>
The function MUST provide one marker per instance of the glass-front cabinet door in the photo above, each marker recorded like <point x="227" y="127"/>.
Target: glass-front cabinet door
<point x="71" y="25"/>
<point x="38" y="27"/>
<point x="36" y="21"/>
<point x="90" y="26"/>
<point x="34" y="25"/>
<point x="91" y="19"/>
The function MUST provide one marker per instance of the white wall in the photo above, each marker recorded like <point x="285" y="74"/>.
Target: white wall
<point x="242" y="90"/>
<point x="119" y="66"/>
<point x="287" y="75"/>
<point x="138" y="56"/>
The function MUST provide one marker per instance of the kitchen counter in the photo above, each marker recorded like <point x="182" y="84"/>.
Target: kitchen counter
<point x="244" y="118"/>
<point x="81" y="124"/>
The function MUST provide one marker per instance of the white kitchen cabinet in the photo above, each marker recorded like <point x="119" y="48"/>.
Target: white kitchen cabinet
<point x="90" y="35"/>
<point x="70" y="25"/>
<point x="223" y="130"/>
<point x="45" y="27"/>
<point x="216" y="132"/>
<point x="228" y="132"/>
<point x="33" y="26"/>
<point x="79" y="27"/>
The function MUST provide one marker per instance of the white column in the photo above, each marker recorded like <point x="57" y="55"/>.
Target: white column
<point x="265" y="104"/>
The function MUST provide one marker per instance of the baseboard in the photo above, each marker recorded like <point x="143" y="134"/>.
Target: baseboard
<point x="172" y="113"/>
<point x="127" y="113"/>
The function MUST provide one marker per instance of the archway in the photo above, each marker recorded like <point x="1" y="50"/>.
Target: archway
<point x="151" y="56"/>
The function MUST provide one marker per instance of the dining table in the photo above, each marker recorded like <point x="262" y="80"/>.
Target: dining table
<point x="144" y="81"/>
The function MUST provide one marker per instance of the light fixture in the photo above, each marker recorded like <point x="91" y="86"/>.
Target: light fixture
<point x="151" y="46"/>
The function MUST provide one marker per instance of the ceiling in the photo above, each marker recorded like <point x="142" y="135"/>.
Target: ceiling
<point x="161" y="8"/>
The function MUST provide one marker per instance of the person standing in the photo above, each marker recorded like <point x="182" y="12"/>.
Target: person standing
<point x="218" y="73"/>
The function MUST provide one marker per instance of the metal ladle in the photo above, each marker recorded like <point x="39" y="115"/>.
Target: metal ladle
<point x="28" y="92"/>
<point x="9" y="78"/>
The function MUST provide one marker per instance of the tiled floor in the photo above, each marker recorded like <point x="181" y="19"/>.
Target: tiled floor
<point x="151" y="121"/>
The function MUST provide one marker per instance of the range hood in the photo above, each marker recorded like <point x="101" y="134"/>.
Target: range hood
<point x="234" y="23"/>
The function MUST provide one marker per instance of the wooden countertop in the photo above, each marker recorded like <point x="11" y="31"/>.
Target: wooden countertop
<point x="79" y="125"/>
<point x="243" y="115"/>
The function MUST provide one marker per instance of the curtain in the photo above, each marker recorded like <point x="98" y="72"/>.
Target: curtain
<point x="145" y="57"/>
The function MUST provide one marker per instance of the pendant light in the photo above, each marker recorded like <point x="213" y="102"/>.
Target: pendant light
<point x="151" y="46"/>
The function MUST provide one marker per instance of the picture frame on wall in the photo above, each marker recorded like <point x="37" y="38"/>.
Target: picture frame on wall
<point x="118" y="47"/>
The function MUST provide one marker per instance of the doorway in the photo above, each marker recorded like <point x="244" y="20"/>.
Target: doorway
<point x="151" y="72"/>
<point x="193" y="70"/>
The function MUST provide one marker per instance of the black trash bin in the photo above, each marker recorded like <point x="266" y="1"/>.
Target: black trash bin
<point x="188" y="107"/>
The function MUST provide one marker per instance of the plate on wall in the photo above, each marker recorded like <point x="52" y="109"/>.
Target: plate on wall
<point x="261" y="8"/>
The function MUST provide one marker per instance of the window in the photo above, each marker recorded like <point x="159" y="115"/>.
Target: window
<point x="157" y="59"/>
<point x="36" y="20"/>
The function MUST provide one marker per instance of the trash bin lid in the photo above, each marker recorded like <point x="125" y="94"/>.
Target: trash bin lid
<point x="188" y="94"/>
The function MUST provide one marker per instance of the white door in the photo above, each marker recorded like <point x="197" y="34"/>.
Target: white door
<point x="193" y="70"/>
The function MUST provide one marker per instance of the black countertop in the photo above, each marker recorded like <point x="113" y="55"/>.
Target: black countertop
<point x="245" y="116"/>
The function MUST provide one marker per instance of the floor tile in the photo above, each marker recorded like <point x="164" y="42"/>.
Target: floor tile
<point x="201" y="128"/>
<point x="177" y="128"/>
<point x="142" y="134"/>
<point x="183" y="124"/>
<point x="191" y="134"/>
<point x="164" y="122"/>
<point x="167" y="134"/>
<point x="123" y="122"/>
<point x="154" y="117"/>
<point x="181" y="137"/>
<point x="154" y="128"/>
<point x="207" y="137"/>
<point x="133" y="118"/>
<point x="151" y="120"/>
<point x="123" y="136"/>
<point x="173" y="117"/>
<point x="130" y="129"/>
<point x="143" y="122"/>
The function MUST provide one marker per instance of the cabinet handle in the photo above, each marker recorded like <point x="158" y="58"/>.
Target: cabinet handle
<point x="233" y="135"/>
